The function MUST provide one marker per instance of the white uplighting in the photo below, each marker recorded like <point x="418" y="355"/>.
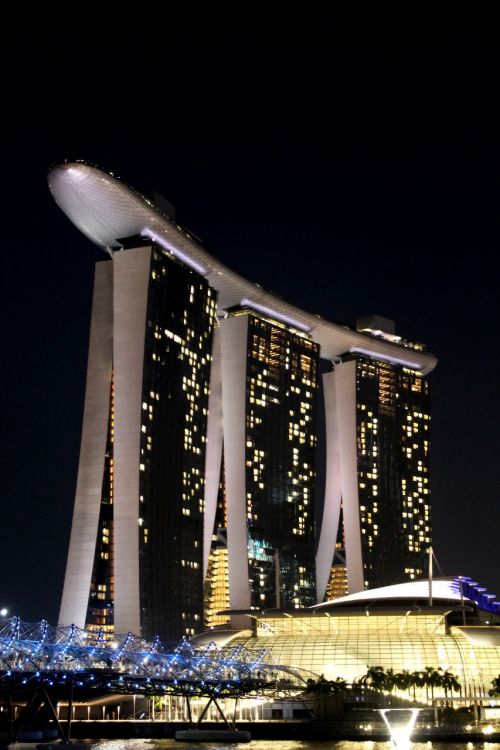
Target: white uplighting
<point x="400" y="729"/>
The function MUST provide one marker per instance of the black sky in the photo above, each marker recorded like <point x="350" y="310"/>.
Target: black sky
<point x="349" y="178"/>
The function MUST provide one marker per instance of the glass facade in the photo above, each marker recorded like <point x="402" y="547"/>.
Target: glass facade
<point x="216" y="590"/>
<point x="100" y="605"/>
<point x="393" y="424"/>
<point x="344" y="645"/>
<point x="177" y="356"/>
<point x="281" y="390"/>
<point x="337" y="583"/>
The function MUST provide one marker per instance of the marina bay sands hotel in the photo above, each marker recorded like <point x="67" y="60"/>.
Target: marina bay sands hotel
<point x="197" y="499"/>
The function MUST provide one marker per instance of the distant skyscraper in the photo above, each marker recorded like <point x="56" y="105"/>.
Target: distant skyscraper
<point x="197" y="471"/>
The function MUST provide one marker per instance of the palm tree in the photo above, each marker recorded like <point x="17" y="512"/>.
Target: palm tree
<point x="315" y="686"/>
<point x="403" y="680"/>
<point x="321" y="689"/>
<point x="390" y="680"/>
<point x="322" y="686"/>
<point x="450" y="682"/>
<point x="310" y="685"/>
<point x="374" y="678"/>
<point x="432" y="678"/>
<point x="495" y="690"/>
<point x="339" y="685"/>
<point x="417" y="680"/>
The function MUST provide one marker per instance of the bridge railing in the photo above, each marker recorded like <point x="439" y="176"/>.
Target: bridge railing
<point x="40" y="647"/>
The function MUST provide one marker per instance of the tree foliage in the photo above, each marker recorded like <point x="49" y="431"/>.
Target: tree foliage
<point x="495" y="690"/>
<point x="386" y="680"/>
<point x="322" y="686"/>
<point x="382" y="680"/>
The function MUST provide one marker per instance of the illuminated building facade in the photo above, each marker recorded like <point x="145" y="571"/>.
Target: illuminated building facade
<point x="282" y="371"/>
<point x="268" y="393"/>
<point x="263" y="404"/>
<point x="180" y="320"/>
<point x="394" y="627"/>
<point x="393" y="423"/>
<point x="378" y="419"/>
<point x="216" y="586"/>
<point x="147" y="385"/>
<point x="189" y="362"/>
<point x="337" y="582"/>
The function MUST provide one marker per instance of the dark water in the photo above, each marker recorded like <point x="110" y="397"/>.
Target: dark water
<point x="284" y="745"/>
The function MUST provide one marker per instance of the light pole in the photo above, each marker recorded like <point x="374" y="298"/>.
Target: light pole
<point x="277" y="578"/>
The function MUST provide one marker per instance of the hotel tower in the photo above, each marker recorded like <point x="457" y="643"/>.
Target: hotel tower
<point x="197" y="479"/>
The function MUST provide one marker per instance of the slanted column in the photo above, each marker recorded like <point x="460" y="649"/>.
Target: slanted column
<point x="234" y="334"/>
<point x="341" y="478"/>
<point x="92" y="452"/>
<point x="213" y="458"/>
<point x="130" y="296"/>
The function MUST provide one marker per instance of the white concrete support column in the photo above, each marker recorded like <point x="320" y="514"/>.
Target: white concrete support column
<point x="131" y="278"/>
<point x="331" y="506"/>
<point x="92" y="452"/>
<point x="234" y="333"/>
<point x="345" y="391"/>
<point x="342" y="437"/>
<point x="213" y="455"/>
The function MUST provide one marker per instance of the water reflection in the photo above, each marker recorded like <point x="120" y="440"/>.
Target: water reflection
<point x="144" y="744"/>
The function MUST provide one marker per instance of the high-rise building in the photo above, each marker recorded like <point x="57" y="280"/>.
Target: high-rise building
<point x="197" y="473"/>
<point x="147" y="400"/>
<point x="381" y="414"/>
<point x="268" y="390"/>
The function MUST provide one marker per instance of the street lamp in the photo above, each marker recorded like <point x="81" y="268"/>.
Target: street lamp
<point x="4" y="612"/>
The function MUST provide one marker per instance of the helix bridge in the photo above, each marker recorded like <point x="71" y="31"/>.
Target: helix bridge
<point x="42" y="665"/>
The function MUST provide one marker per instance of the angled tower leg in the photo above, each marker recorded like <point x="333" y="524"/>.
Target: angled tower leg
<point x="130" y="295"/>
<point x="234" y="362"/>
<point x="345" y="392"/>
<point x="214" y="449"/>
<point x="331" y="506"/>
<point x="342" y="478"/>
<point x="92" y="452"/>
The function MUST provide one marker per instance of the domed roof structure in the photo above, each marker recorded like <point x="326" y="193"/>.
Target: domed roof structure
<point x="443" y="591"/>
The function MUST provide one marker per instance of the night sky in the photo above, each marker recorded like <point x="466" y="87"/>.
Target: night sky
<point x="349" y="178"/>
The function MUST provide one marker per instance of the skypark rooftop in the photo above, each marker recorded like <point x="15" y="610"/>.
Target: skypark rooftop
<point x="105" y="209"/>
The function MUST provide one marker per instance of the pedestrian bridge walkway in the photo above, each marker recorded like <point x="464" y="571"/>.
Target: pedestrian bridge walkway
<point x="42" y="667"/>
<point x="39" y="655"/>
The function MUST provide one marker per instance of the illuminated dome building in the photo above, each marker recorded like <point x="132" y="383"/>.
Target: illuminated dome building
<point x="394" y="627"/>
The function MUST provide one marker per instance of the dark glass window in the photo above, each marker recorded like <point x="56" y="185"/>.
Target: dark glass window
<point x="393" y="426"/>
<point x="177" y="356"/>
<point x="282" y="373"/>
<point x="101" y="595"/>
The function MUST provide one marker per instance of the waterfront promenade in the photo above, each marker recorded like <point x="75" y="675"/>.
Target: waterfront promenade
<point x="278" y="730"/>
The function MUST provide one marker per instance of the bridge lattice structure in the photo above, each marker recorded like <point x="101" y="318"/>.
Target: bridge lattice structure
<point x="38" y="655"/>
